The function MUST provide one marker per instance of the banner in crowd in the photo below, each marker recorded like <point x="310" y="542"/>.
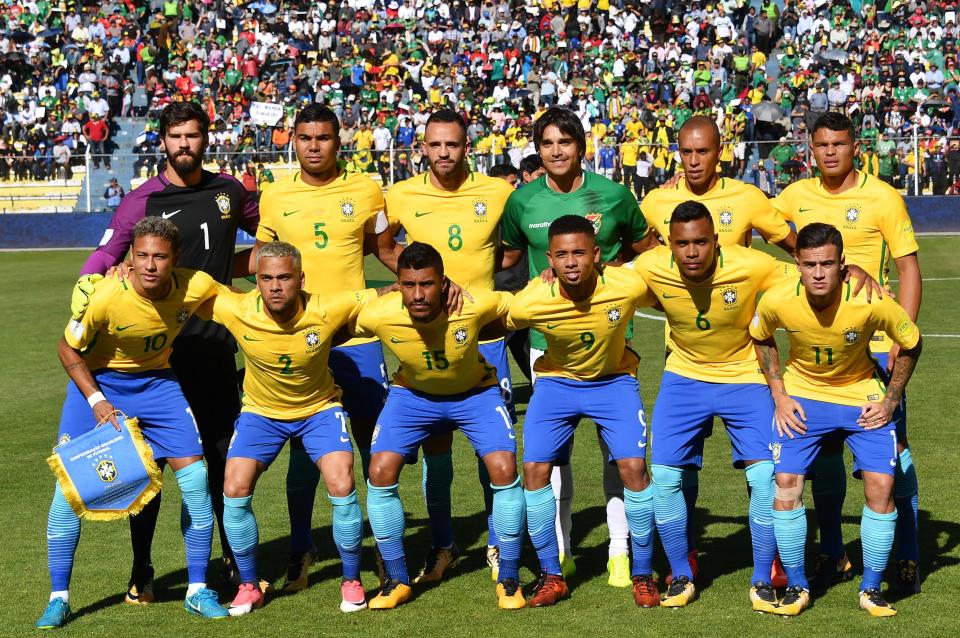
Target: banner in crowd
<point x="266" y="113"/>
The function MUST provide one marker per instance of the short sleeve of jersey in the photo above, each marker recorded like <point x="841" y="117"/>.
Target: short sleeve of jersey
<point x="770" y="271"/>
<point x="765" y="320"/>
<point x="510" y="231"/>
<point x="266" y="232"/>
<point x="893" y="320"/>
<point x="637" y="285"/>
<point x="365" y="324"/>
<point x="897" y="229"/>
<point x="782" y="204"/>
<point x="767" y="220"/>
<point x="346" y="306"/>
<point x="81" y="332"/>
<point x="520" y="308"/>
<point x="224" y="306"/>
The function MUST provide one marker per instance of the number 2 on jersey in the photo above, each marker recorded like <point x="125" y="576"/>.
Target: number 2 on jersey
<point x="286" y="361"/>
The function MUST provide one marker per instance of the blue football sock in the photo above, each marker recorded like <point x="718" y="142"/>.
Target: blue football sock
<point x="484" y="477"/>
<point x="364" y="461"/>
<point x="639" y="509"/>
<point x="541" y="514"/>
<point x="348" y="532"/>
<point x="240" y="523"/>
<point x="670" y="512"/>
<point x="790" y="528"/>
<point x="385" y="512"/>
<point x="906" y="499"/>
<point x="437" y="480"/>
<point x="690" y="484"/>
<point x="876" y="535"/>
<point x="509" y="517"/>
<point x="63" y="534"/>
<point x="302" y="479"/>
<point x="829" y="490"/>
<point x="196" y="519"/>
<point x="760" y="480"/>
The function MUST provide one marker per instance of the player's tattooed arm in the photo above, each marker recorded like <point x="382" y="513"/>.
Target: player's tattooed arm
<point x="382" y="290"/>
<point x="878" y="414"/>
<point x="789" y="414"/>
<point x="76" y="368"/>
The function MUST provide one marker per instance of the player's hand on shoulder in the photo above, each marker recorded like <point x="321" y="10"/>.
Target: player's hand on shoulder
<point x="80" y="297"/>
<point x="455" y="296"/>
<point x="789" y="416"/>
<point x="862" y="279"/>
<point x="876" y="414"/>
<point x="673" y="181"/>
<point x="548" y="276"/>
<point x="104" y="411"/>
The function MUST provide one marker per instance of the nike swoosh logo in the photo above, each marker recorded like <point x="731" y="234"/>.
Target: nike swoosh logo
<point x="667" y="222"/>
<point x="249" y="338"/>
<point x="395" y="340"/>
<point x="420" y="214"/>
<point x="287" y="213"/>
<point x="789" y="330"/>
<point x="669" y="296"/>
<point x="344" y="439"/>
<point x="803" y="210"/>
<point x="166" y="215"/>
<point x="551" y="327"/>
<point x="120" y="328"/>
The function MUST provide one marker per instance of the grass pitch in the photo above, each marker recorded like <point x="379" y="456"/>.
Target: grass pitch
<point x="35" y="288"/>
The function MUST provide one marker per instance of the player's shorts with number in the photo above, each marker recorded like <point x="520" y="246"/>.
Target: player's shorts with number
<point x="261" y="438"/>
<point x="900" y="414"/>
<point x="362" y="375"/>
<point x="495" y="353"/>
<point x="873" y="450"/>
<point x="684" y="413"/>
<point x="154" y="397"/>
<point x="558" y="404"/>
<point x="409" y="418"/>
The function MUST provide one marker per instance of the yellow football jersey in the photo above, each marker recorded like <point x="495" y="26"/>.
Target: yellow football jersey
<point x="440" y="357"/>
<point x="709" y="321"/>
<point x="123" y="331"/>
<point x="829" y="350"/>
<point x="287" y="372"/>
<point x="462" y="225"/>
<point x="585" y="340"/>
<point x="871" y="217"/>
<point x="327" y="224"/>
<point x="737" y="208"/>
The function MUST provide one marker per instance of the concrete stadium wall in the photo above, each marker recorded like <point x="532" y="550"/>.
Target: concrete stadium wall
<point x="62" y="230"/>
<point x="78" y="230"/>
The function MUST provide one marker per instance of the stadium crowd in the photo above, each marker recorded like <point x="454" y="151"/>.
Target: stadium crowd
<point x="633" y="70"/>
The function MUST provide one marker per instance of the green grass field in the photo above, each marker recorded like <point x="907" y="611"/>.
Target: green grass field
<point x="35" y="288"/>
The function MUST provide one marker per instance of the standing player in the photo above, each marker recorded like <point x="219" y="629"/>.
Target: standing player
<point x="443" y="383"/>
<point x="831" y="389"/>
<point x="288" y="391"/>
<point x="111" y="369"/>
<point x="330" y="215"/>
<point x="207" y="208"/>
<point x="709" y="295"/>
<point x="872" y="218"/>
<point x="587" y="371"/>
<point x="737" y="209"/>
<point x="621" y="232"/>
<point x="457" y="211"/>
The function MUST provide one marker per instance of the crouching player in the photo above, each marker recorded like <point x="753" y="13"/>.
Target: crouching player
<point x="587" y="371"/>
<point x="116" y="355"/>
<point x="832" y="388"/>
<point x="443" y="383"/>
<point x="288" y="391"/>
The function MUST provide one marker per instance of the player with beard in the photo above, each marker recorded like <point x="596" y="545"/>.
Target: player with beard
<point x="207" y="209"/>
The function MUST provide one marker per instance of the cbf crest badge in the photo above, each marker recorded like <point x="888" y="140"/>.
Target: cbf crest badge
<point x="107" y="471"/>
<point x="726" y="218"/>
<point x="851" y="216"/>
<point x="851" y="336"/>
<point x="479" y="211"/>
<point x="596" y="219"/>
<point x="729" y="296"/>
<point x="223" y="205"/>
<point x="348" y="211"/>
<point x="183" y="313"/>
<point x="312" y="340"/>
<point x="614" y="315"/>
<point x="775" y="452"/>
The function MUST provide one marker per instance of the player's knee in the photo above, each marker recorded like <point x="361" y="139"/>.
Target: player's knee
<point x="789" y="490"/>
<point x="236" y="489"/>
<point x="633" y="475"/>
<point x="536" y="476"/>
<point x="383" y="472"/>
<point x="340" y="483"/>
<point x="666" y="477"/>
<point x="502" y="467"/>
